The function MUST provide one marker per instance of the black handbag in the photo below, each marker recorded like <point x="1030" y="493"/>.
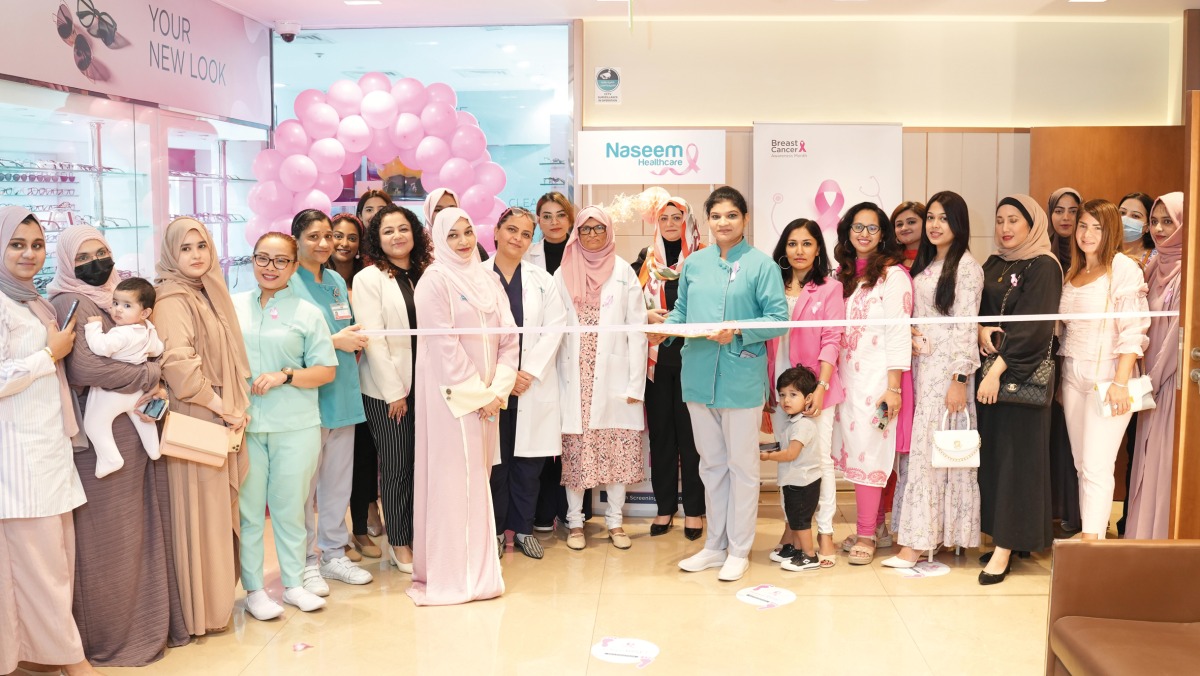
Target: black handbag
<point x="1037" y="390"/>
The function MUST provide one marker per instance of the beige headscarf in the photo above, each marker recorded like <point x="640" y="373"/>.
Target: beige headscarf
<point x="586" y="272"/>
<point x="221" y="349"/>
<point x="65" y="280"/>
<point x="24" y="292"/>
<point x="1038" y="241"/>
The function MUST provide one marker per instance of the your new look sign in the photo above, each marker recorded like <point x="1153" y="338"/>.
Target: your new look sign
<point x="651" y="156"/>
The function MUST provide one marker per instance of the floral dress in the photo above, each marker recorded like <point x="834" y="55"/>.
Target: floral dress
<point x="940" y="506"/>
<point x="604" y="456"/>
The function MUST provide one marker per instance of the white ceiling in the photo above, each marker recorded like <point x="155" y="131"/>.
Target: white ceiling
<point x="392" y="13"/>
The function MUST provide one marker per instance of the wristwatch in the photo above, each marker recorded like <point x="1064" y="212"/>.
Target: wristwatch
<point x="288" y="373"/>
<point x="960" y="378"/>
<point x="822" y="383"/>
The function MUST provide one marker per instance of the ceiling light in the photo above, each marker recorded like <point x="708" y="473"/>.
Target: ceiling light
<point x="508" y="49"/>
<point x="522" y="64"/>
<point x="279" y="84"/>
<point x="356" y="3"/>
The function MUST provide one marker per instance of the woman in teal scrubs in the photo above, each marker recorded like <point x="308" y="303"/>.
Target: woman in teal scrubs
<point x="290" y="355"/>
<point x="341" y="408"/>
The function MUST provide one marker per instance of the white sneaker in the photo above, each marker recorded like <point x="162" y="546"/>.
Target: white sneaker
<point x="313" y="582"/>
<point x="344" y="570"/>
<point x="734" y="568"/>
<point x="302" y="599"/>
<point x="262" y="607"/>
<point x="707" y="558"/>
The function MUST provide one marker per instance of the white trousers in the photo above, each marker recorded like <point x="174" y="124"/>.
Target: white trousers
<point x="613" y="516"/>
<point x="727" y="440"/>
<point x="828" y="502"/>
<point x="329" y="495"/>
<point x="103" y="406"/>
<point x="1095" y="440"/>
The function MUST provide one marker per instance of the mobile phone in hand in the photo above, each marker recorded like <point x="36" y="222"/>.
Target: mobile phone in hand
<point x="69" y="316"/>
<point x="155" y="408"/>
<point x="881" y="420"/>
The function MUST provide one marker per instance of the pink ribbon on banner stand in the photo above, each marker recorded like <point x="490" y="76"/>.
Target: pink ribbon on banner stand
<point x="828" y="214"/>
<point x="693" y="154"/>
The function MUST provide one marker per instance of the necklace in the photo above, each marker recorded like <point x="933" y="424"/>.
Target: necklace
<point x="1000" y="279"/>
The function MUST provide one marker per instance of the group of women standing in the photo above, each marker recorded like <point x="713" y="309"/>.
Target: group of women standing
<point x="464" y="427"/>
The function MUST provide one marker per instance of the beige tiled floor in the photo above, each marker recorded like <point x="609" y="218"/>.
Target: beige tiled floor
<point x="846" y="620"/>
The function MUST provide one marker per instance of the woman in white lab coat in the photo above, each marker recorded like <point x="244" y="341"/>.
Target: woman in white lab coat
<point x="531" y="424"/>
<point x="604" y="374"/>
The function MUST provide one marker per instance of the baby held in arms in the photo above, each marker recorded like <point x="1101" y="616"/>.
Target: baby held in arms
<point x="133" y="340"/>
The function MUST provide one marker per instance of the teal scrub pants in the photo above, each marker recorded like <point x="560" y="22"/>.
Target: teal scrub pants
<point x="282" y="465"/>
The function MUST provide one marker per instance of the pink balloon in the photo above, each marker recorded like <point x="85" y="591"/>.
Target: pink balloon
<point x="485" y="232"/>
<point x="410" y="95"/>
<point x="374" y="82"/>
<point x="466" y="118"/>
<point x="312" y="199"/>
<point x="269" y="198"/>
<point x="468" y="142"/>
<point x="266" y="164"/>
<point x="330" y="184"/>
<point x="352" y="164"/>
<point x="457" y="174"/>
<point x="430" y="182"/>
<point x="407" y="131"/>
<point x="432" y="153"/>
<point x="485" y="157"/>
<point x="491" y="176"/>
<point x="256" y="227"/>
<point x="477" y="201"/>
<point x="379" y="109"/>
<point x="282" y="223"/>
<point x="298" y="173"/>
<point x="408" y="156"/>
<point x="354" y="133"/>
<point x="440" y="92"/>
<point x="439" y="119"/>
<point x="328" y="155"/>
<point x="320" y="121"/>
<point x="345" y="96"/>
<point x="498" y="207"/>
<point x="305" y="99"/>
<point x="381" y="150"/>
<point x="290" y="138"/>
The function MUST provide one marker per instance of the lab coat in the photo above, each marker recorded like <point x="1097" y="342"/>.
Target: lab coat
<point x="620" y="370"/>
<point x="539" y="410"/>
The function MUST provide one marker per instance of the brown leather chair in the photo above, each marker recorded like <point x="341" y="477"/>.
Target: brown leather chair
<point x="1124" y="607"/>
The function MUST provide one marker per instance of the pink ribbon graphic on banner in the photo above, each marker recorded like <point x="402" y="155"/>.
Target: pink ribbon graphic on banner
<point x="827" y="214"/>
<point x="693" y="154"/>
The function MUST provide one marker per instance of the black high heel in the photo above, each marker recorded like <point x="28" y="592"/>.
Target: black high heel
<point x="986" y="578"/>
<point x="983" y="560"/>
<point x="657" y="529"/>
<point x="693" y="533"/>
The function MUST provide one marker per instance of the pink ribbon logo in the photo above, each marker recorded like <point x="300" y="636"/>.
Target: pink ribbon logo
<point x="693" y="154"/>
<point x="827" y="214"/>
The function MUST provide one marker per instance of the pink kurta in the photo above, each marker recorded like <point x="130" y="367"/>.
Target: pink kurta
<point x="454" y="541"/>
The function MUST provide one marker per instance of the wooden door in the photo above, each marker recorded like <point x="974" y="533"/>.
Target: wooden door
<point x="1185" y="502"/>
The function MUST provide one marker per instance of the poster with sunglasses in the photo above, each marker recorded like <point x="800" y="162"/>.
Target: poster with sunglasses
<point x="189" y="54"/>
<point x="818" y="171"/>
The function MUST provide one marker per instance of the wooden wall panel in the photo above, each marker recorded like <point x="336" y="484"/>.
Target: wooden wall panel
<point x="1106" y="162"/>
<point x="1185" y="503"/>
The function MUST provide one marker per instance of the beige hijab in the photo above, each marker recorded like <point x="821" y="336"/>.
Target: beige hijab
<point x="221" y="349"/>
<point x="1038" y="241"/>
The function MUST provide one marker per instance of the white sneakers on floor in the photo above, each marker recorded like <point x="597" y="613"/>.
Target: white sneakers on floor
<point x="313" y="582"/>
<point x="707" y="558"/>
<point x="262" y="606"/>
<point x="302" y="599"/>
<point x="342" y="569"/>
<point x="734" y="568"/>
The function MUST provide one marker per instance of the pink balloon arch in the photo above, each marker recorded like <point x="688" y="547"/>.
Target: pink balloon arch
<point x="381" y="121"/>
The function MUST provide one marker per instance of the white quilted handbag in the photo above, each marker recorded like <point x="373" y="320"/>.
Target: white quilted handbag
<point x="955" y="449"/>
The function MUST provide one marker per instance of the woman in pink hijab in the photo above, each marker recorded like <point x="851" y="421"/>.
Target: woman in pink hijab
<point x="603" y="374"/>
<point x="445" y="198"/>
<point x="461" y="382"/>
<point x="1153" y="452"/>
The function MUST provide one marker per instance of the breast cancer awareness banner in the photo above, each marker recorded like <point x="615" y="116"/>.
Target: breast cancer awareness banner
<point x="817" y="171"/>
<point x="641" y="156"/>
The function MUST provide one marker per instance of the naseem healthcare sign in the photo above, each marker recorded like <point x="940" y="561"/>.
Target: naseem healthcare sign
<point x="651" y="156"/>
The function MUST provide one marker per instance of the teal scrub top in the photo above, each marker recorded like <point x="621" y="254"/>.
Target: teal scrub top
<point x="744" y="286"/>
<point x="341" y="400"/>
<point x="288" y="333"/>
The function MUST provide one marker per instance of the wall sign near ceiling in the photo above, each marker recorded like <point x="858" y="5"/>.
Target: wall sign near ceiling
<point x="608" y="85"/>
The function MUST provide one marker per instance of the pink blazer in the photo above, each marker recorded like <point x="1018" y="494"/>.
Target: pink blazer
<point x="809" y="346"/>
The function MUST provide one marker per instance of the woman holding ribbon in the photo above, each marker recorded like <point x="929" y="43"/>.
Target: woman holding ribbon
<point x="126" y="597"/>
<point x="875" y="420"/>
<point x="724" y="378"/>
<point x="672" y="446"/>
<point x="462" y="381"/>
<point x="1150" y="486"/>
<point x="604" y="375"/>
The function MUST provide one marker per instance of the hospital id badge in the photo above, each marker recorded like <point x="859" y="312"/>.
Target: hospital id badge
<point x="341" y="311"/>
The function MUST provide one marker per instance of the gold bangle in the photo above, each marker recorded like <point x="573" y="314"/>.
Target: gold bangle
<point x="50" y="353"/>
